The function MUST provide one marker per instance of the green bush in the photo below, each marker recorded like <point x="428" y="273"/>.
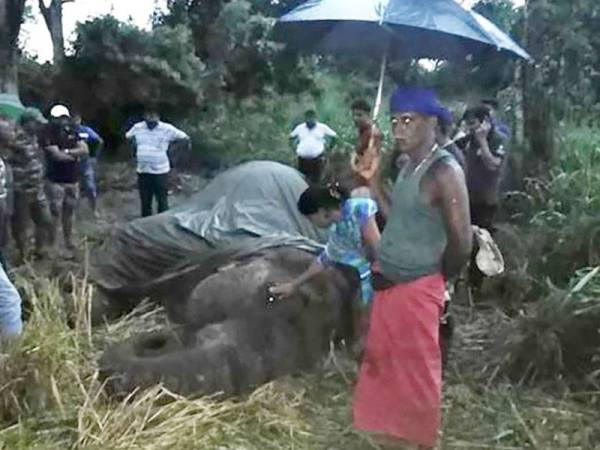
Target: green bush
<point x="235" y="131"/>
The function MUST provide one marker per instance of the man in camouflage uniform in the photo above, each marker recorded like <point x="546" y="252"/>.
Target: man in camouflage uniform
<point x="7" y="135"/>
<point x="25" y="158"/>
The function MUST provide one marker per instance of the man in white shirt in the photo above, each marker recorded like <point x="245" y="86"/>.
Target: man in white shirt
<point x="310" y="140"/>
<point x="151" y="139"/>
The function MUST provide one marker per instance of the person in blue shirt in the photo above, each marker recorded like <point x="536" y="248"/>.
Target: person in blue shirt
<point x="11" y="323"/>
<point x="353" y="238"/>
<point x="89" y="165"/>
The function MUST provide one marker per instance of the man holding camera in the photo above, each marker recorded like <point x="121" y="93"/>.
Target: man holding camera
<point x="64" y="149"/>
<point x="484" y="154"/>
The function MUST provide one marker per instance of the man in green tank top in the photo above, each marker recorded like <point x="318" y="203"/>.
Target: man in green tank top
<point x="426" y="241"/>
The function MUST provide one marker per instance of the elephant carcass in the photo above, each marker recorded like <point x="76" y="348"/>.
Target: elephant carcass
<point x="246" y="209"/>
<point x="230" y="339"/>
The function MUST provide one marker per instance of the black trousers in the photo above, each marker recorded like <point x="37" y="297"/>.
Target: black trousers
<point x="311" y="168"/>
<point x="151" y="186"/>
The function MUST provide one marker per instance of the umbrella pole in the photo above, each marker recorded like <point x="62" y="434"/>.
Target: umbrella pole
<point x="378" y="100"/>
<point x="376" y="109"/>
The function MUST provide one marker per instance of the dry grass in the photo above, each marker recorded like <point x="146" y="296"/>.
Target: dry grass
<point x="51" y="396"/>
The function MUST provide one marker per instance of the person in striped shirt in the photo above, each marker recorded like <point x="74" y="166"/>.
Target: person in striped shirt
<point x="151" y="140"/>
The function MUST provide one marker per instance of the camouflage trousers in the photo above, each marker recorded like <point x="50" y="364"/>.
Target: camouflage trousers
<point x="31" y="204"/>
<point x="63" y="203"/>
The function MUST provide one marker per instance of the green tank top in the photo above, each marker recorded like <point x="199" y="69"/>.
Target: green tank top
<point x="414" y="239"/>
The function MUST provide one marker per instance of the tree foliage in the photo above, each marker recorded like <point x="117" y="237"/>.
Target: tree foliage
<point x="563" y="39"/>
<point x="234" y="38"/>
<point x="116" y="69"/>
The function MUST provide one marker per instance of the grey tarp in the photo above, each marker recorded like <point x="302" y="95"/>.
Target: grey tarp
<point x="242" y="211"/>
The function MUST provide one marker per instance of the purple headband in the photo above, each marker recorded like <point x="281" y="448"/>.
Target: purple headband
<point x="419" y="100"/>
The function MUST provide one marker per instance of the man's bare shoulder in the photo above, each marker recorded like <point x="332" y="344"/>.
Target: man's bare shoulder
<point x="446" y="170"/>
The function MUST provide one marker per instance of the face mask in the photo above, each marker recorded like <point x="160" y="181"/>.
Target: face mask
<point x="311" y="124"/>
<point x="152" y="124"/>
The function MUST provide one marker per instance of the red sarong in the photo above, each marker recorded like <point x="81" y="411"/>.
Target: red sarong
<point x="399" y="387"/>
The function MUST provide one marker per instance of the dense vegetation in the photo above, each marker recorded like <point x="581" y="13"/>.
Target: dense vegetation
<point x="526" y="367"/>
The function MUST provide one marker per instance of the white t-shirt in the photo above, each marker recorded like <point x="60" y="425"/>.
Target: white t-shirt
<point x="152" y="146"/>
<point x="311" y="142"/>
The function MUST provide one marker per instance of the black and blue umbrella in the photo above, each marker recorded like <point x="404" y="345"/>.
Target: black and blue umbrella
<point x="437" y="29"/>
<point x="395" y="29"/>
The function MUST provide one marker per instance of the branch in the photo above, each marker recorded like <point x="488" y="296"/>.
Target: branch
<point x="45" y="10"/>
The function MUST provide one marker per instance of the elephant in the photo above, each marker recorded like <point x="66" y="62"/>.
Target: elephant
<point x="229" y="336"/>
<point x="210" y="264"/>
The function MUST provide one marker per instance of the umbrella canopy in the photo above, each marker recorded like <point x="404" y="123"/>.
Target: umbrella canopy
<point x="438" y="29"/>
<point x="503" y="41"/>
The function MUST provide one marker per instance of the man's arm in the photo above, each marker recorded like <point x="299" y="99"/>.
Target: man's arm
<point x="81" y="149"/>
<point x="332" y="141"/>
<point x="100" y="145"/>
<point x="95" y="137"/>
<point x="453" y="200"/>
<point x="294" y="138"/>
<point x="177" y="135"/>
<point x="491" y="161"/>
<point x="55" y="153"/>
<point x="130" y="136"/>
<point x="332" y="137"/>
<point x="288" y="289"/>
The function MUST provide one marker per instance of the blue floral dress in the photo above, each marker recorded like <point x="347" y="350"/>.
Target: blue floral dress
<point x="345" y="244"/>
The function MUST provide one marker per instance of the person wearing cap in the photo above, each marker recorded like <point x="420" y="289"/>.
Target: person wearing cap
<point x="310" y="140"/>
<point x="64" y="150"/>
<point x="426" y="241"/>
<point x="89" y="164"/>
<point x="25" y="159"/>
<point x="151" y="139"/>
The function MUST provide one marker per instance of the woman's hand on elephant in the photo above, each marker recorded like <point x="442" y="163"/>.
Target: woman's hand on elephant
<point x="283" y="290"/>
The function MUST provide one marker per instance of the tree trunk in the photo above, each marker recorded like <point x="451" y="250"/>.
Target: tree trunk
<point x="538" y="105"/>
<point x="11" y="17"/>
<point x="53" y="17"/>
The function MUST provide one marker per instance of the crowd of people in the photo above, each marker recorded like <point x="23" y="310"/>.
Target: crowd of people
<point x="448" y="181"/>
<point x="44" y="165"/>
<point x="405" y="244"/>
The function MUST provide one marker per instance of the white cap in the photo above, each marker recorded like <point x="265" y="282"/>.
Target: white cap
<point x="59" y="111"/>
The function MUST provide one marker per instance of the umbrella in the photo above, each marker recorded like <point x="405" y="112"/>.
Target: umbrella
<point x="437" y="29"/>
<point x="399" y="29"/>
<point x="503" y="42"/>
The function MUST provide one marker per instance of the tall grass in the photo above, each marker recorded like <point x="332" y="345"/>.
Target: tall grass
<point x="555" y="336"/>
